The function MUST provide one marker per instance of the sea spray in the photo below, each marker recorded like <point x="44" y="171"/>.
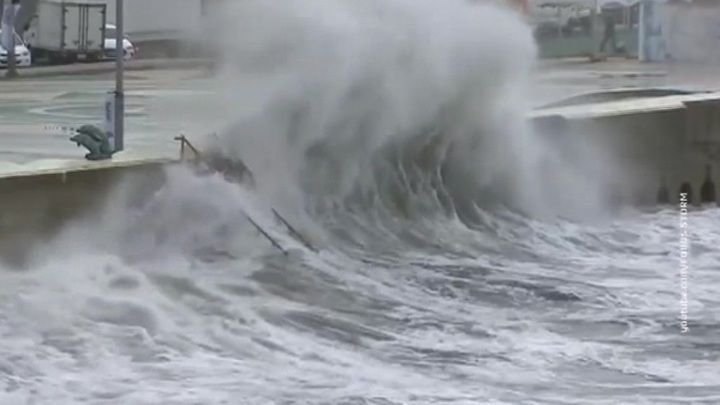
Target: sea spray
<point x="339" y="81"/>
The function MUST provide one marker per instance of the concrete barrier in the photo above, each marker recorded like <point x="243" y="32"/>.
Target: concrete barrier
<point x="657" y="142"/>
<point x="107" y="67"/>
<point x="37" y="200"/>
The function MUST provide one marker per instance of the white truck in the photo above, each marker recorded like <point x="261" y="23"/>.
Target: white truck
<point x="159" y="27"/>
<point x="65" y="31"/>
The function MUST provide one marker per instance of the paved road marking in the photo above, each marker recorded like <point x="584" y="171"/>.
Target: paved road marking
<point x="36" y="116"/>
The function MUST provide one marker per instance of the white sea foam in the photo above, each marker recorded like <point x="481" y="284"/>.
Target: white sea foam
<point x="179" y="300"/>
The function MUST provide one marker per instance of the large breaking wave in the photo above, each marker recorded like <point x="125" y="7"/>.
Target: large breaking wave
<point x="393" y="103"/>
<point x="392" y="134"/>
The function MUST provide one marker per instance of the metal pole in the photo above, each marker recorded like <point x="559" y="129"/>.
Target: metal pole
<point x="119" y="130"/>
<point x="642" y="55"/>
<point x="2" y="17"/>
<point x="593" y="28"/>
<point x="11" y="60"/>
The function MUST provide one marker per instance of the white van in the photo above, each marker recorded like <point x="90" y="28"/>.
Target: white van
<point x="110" y="42"/>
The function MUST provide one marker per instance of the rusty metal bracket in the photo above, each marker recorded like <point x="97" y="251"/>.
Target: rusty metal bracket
<point x="184" y="142"/>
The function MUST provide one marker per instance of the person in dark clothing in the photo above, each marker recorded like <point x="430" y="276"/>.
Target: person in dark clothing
<point x="707" y="190"/>
<point x="609" y="34"/>
<point x="663" y="196"/>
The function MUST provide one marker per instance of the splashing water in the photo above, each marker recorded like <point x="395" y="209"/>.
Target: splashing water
<point x="392" y="133"/>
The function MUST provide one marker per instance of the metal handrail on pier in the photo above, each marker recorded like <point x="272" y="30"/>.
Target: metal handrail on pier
<point x="184" y="142"/>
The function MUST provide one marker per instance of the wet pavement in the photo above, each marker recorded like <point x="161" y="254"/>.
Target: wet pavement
<point x="560" y="79"/>
<point x="37" y="115"/>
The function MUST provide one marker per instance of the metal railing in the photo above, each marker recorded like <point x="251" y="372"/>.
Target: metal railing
<point x="186" y="144"/>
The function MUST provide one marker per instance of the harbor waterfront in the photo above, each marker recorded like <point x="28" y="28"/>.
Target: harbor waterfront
<point x="462" y="224"/>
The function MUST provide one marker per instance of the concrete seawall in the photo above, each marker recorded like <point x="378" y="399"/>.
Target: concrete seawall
<point x="658" y="142"/>
<point x="652" y="143"/>
<point x="35" y="204"/>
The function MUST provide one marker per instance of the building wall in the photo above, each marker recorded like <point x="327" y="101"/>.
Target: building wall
<point x="692" y="31"/>
<point x="681" y="31"/>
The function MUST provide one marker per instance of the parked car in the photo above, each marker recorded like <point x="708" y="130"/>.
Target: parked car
<point x="22" y="54"/>
<point x="549" y="19"/>
<point x="110" y="42"/>
<point x="582" y="20"/>
<point x="554" y="17"/>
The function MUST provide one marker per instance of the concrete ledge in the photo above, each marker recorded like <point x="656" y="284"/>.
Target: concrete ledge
<point x="64" y="167"/>
<point x="664" y="141"/>
<point x="37" y="200"/>
<point x="626" y="107"/>
<point x="107" y="67"/>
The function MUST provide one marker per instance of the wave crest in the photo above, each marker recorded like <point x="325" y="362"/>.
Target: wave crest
<point x="350" y="97"/>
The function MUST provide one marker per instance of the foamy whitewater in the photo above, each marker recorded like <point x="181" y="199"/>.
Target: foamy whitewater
<point x="460" y="259"/>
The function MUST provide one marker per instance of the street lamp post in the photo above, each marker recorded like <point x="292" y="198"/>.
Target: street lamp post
<point x="119" y="121"/>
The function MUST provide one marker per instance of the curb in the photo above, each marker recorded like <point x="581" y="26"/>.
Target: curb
<point x="107" y="67"/>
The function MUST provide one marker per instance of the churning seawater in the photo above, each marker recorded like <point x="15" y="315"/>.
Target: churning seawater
<point x="460" y="260"/>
